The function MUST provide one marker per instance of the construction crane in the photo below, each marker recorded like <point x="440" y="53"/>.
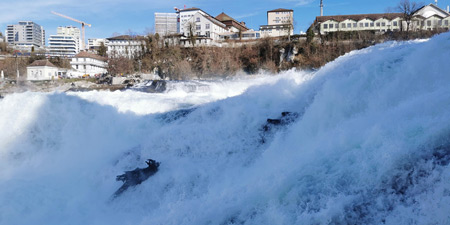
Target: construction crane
<point x="82" y="26"/>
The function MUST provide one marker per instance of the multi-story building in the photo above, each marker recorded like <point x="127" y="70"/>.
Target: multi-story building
<point x="66" y="43"/>
<point x="88" y="63"/>
<point x="166" y="23"/>
<point x="125" y="46"/>
<point x="186" y="14"/>
<point x="429" y="17"/>
<point x="25" y="35"/>
<point x="95" y="43"/>
<point x="280" y="22"/>
<point x="205" y="28"/>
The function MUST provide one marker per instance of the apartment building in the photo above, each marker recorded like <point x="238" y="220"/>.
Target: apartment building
<point x="125" y="46"/>
<point x="66" y="43"/>
<point x="95" y="43"/>
<point x="280" y="22"/>
<point x="89" y="63"/>
<point x="429" y="17"/>
<point x="186" y="14"/>
<point x="25" y="35"/>
<point x="166" y="23"/>
<point x="206" y="28"/>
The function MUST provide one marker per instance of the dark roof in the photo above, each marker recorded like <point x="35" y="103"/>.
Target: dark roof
<point x="215" y="21"/>
<point x="90" y="55"/>
<point x="281" y="10"/>
<point x="190" y="9"/>
<point x="126" y="37"/>
<point x="358" y="17"/>
<point x="229" y="21"/>
<point x="42" y="63"/>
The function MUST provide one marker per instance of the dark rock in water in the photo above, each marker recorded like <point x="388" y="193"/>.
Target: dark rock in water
<point x="136" y="176"/>
<point x="157" y="86"/>
<point x="79" y="89"/>
<point x="285" y="119"/>
<point x="170" y="117"/>
<point x="274" y="124"/>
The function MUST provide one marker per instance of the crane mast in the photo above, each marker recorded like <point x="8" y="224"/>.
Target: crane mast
<point x="321" y="7"/>
<point x="83" y="24"/>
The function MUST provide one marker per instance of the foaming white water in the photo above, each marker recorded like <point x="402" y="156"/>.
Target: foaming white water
<point x="369" y="146"/>
<point x="181" y="94"/>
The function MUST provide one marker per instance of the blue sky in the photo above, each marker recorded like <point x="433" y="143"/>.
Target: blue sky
<point x="121" y="16"/>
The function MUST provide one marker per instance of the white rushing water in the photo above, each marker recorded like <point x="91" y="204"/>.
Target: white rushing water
<point x="370" y="145"/>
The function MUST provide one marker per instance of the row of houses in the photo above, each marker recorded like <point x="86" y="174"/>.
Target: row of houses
<point x="429" y="17"/>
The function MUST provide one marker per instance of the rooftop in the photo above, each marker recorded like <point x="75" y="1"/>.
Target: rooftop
<point x="281" y="10"/>
<point x="42" y="63"/>
<point x="90" y="55"/>
<point x="358" y="17"/>
<point x="126" y="37"/>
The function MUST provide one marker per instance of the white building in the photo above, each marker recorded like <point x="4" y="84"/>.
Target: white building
<point x="186" y="14"/>
<point x="66" y="43"/>
<point x="166" y="23"/>
<point x="95" y="43"/>
<point x="88" y="63"/>
<point x="280" y="22"/>
<point x="429" y="17"/>
<point x="125" y="46"/>
<point x="42" y="70"/>
<point x="25" y="35"/>
<point x="205" y="28"/>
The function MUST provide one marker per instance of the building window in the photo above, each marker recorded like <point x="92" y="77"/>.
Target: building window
<point x="361" y="25"/>
<point x="207" y="26"/>
<point x="367" y="24"/>
<point x="395" y="23"/>
<point x="372" y="24"/>
<point x="325" y="26"/>
<point x="342" y="25"/>
<point x="355" y="25"/>
<point x="383" y="24"/>
<point x="331" y="26"/>
<point x="349" y="25"/>
<point x="429" y="23"/>
<point x="440" y="22"/>
<point x="207" y="34"/>
<point x="197" y="19"/>
<point x="378" y="24"/>
<point x="198" y="27"/>
<point x="446" y="23"/>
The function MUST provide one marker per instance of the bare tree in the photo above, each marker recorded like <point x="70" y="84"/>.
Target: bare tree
<point x="408" y="8"/>
<point x="290" y="27"/>
<point x="192" y="36"/>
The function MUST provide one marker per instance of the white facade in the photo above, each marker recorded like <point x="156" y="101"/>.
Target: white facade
<point x="166" y="23"/>
<point x="42" y="71"/>
<point x="186" y="14"/>
<point x="204" y="26"/>
<point x="280" y="16"/>
<point x="125" y="46"/>
<point x="25" y="34"/>
<point x="66" y="43"/>
<point x="95" y="43"/>
<point x="88" y="63"/>
<point x="245" y="35"/>
<point x="280" y="22"/>
<point x="429" y="17"/>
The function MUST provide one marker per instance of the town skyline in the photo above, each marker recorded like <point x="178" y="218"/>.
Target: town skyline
<point x="137" y="16"/>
